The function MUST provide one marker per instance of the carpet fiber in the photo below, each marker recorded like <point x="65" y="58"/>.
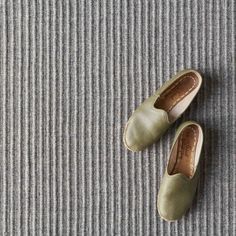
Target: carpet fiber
<point x="71" y="73"/>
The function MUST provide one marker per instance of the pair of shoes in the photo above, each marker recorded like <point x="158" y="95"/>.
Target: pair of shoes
<point x="151" y="120"/>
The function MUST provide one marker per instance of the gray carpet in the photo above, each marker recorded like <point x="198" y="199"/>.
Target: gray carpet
<point x="71" y="73"/>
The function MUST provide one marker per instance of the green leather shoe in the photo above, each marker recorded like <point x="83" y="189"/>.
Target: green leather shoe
<point x="180" y="180"/>
<point x="154" y="116"/>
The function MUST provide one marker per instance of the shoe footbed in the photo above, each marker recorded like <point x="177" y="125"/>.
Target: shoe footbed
<point x="182" y="159"/>
<point x="176" y="92"/>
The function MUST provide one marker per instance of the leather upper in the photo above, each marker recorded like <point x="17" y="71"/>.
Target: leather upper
<point x="175" y="195"/>
<point x="145" y="126"/>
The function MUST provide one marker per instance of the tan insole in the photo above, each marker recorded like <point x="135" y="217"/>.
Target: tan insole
<point x="184" y="151"/>
<point x="177" y="92"/>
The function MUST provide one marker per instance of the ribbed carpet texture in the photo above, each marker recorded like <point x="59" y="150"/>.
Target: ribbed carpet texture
<point x="71" y="73"/>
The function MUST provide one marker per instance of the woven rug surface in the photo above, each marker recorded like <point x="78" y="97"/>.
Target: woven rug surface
<point x="71" y="73"/>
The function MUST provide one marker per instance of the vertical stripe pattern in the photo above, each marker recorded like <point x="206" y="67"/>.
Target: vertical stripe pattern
<point x="71" y="73"/>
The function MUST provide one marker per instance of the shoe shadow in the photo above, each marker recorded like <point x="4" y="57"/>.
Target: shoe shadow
<point x="207" y="164"/>
<point x="207" y="94"/>
<point x="206" y="100"/>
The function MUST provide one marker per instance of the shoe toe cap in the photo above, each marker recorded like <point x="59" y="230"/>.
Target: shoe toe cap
<point x="132" y="136"/>
<point x="169" y="209"/>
